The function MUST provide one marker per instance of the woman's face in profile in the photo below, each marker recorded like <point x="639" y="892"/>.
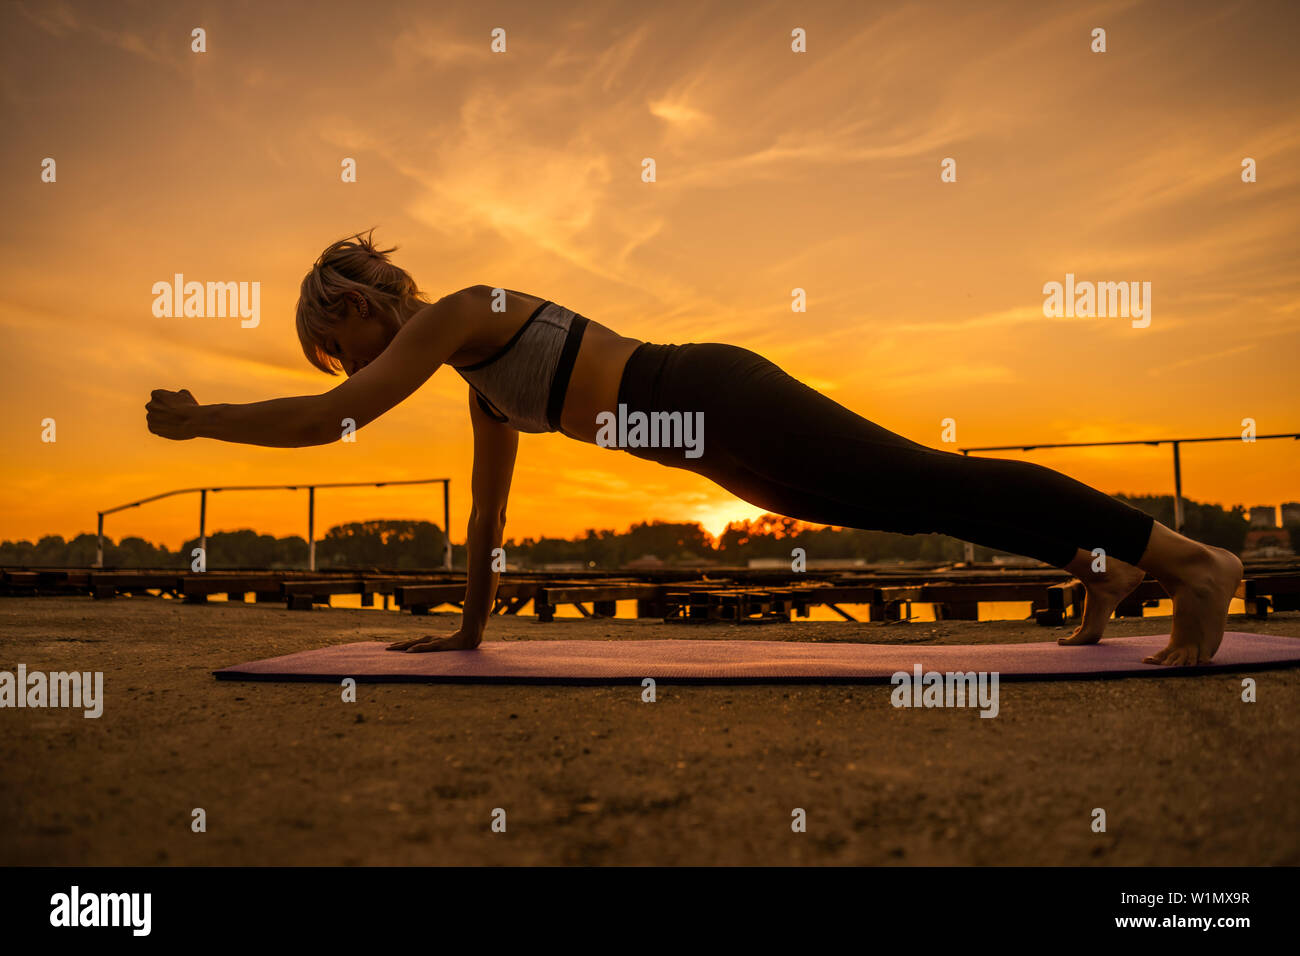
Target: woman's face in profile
<point x="357" y="341"/>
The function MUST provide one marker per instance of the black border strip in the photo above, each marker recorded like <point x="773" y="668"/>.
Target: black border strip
<point x="229" y="904"/>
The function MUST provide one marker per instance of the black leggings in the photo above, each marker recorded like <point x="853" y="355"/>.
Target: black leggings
<point x="778" y="444"/>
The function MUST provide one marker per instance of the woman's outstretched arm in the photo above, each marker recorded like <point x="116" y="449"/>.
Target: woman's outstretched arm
<point x="430" y="337"/>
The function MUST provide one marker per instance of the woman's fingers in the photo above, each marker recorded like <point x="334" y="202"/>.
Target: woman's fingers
<point x="430" y="644"/>
<point x="166" y="412"/>
<point x="173" y="404"/>
<point x="417" y="644"/>
<point x="423" y="645"/>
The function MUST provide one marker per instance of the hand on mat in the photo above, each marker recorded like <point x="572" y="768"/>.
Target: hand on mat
<point x="170" y="414"/>
<point x="460" y="641"/>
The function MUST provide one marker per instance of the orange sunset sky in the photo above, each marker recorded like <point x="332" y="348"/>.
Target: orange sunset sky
<point x="775" y="170"/>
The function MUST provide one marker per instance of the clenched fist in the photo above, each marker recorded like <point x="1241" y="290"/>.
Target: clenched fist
<point x="171" y="414"/>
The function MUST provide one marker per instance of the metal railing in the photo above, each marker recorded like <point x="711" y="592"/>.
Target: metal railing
<point x="1178" y="468"/>
<point x="311" y="509"/>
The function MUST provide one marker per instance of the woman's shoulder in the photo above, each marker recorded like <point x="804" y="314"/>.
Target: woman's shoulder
<point x="496" y="300"/>
<point x="489" y="316"/>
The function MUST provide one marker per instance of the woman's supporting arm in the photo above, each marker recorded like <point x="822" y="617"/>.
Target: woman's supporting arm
<point x="495" y="446"/>
<point x="483" y="537"/>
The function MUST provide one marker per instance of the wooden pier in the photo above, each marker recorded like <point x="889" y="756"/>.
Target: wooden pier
<point x="679" y="596"/>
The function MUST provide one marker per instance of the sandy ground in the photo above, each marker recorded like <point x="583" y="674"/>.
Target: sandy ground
<point x="410" y="774"/>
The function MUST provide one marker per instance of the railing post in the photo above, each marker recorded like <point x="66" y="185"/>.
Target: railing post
<point x="1178" y="492"/>
<point x="311" y="528"/>
<point x="203" y="524"/>
<point x="99" y="550"/>
<point x="446" y="523"/>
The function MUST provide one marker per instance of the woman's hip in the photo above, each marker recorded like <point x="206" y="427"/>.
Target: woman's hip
<point x="704" y="375"/>
<point x="743" y="409"/>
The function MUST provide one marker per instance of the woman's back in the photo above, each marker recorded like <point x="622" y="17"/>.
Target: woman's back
<point x="539" y="366"/>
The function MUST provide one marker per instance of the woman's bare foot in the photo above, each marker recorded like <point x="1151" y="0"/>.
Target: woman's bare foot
<point x="1202" y="582"/>
<point x="1201" y="599"/>
<point x="1102" y="593"/>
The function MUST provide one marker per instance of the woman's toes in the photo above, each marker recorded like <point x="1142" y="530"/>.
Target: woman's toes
<point x="1080" y="637"/>
<point x="1158" y="657"/>
<point x="1183" y="656"/>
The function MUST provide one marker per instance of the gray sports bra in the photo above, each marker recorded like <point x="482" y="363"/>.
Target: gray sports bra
<point x="524" y="382"/>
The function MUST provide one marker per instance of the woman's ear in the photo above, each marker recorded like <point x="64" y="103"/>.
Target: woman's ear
<point x="359" y="303"/>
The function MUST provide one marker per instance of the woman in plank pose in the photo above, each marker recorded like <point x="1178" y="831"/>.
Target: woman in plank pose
<point x="533" y="365"/>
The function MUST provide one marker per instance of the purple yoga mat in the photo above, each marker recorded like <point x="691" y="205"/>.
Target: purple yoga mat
<point x="757" y="662"/>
